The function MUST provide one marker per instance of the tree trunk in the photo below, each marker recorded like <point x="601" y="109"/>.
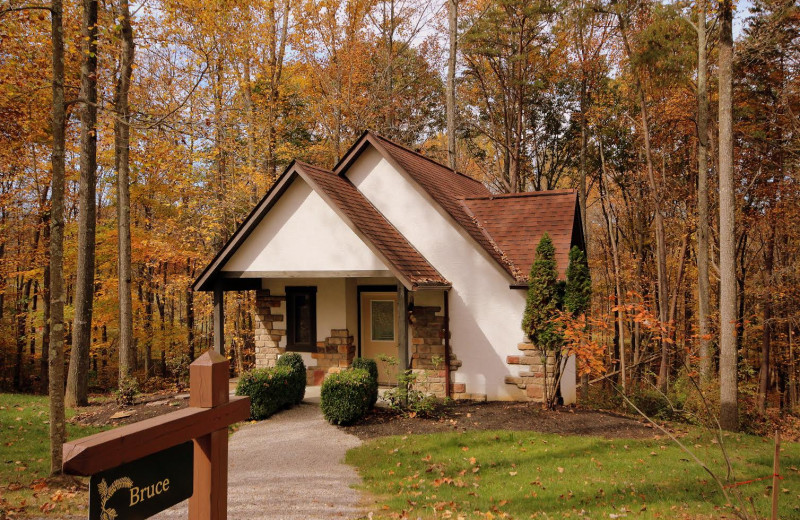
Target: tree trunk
<point x="673" y="301"/>
<point x="148" y="296"/>
<point x="582" y="175"/>
<point x="34" y="308"/>
<point x="190" y="310"/>
<point x="21" y="320"/>
<point x="122" y="157"/>
<point x="617" y="278"/>
<point x="43" y="362"/>
<point x="77" y="378"/>
<point x="793" y="390"/>
<point x="250" y="109"/>
<point x="703" y="289"/>
<point x="655" y="194"/>
<point x="452" y="30"/>
<point x="766" y="339"/>
<point x="728" y="378"/>
<point x="56" y="351"/>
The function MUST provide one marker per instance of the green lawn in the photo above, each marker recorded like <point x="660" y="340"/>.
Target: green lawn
<point x="25" y="460"/>
<point x="502" y="474"/>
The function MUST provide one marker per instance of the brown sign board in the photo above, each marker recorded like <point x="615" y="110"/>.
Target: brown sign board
<point x="145" y="467"/>
<point x="142" y="488"/>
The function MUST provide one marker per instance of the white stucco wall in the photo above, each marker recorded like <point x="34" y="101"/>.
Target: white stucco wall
<point x="485" y="313"/>
<point x="302" y="234"/>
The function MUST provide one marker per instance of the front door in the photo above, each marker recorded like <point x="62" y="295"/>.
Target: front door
<point x="379" y="332"/>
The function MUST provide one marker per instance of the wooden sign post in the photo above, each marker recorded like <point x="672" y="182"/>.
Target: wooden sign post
<point x="113" y="456"/>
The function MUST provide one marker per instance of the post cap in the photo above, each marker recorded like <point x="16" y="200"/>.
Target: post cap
<point x="208" y="380"/>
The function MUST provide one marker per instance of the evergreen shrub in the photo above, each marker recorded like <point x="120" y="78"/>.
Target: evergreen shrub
<point x="345" y="396"/>
<point x="372" y="367"/>
<point x="295" y="361"/>
<point x="270" y="390"/>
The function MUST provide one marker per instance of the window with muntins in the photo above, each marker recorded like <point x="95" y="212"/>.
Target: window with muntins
<point x="301" y="318"/>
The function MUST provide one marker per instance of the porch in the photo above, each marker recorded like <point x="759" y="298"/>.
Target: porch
<point x="330" y="320"/>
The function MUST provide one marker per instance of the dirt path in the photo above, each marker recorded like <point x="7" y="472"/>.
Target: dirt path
<point x="289" y="467"/>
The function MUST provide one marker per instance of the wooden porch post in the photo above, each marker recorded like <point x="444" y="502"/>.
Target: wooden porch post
<point x="402" y="326"/>
<point x="219" y="319"/>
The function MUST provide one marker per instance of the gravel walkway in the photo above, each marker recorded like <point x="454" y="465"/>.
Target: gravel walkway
<point x="289" y="467"/>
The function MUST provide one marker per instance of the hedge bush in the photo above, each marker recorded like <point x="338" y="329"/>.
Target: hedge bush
<point x="372" y="367"/>
<point x="295" y="361"/>
<point x="345" y="396"/>
<point x="270" y="390"/>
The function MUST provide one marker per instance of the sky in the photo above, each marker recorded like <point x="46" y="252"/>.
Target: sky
<point x="739" y="16"/>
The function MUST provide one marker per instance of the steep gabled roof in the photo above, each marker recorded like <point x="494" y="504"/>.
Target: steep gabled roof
<point x="407" y="264"/>
<point x="516" y="223"/>
<point x="442" y="184"/>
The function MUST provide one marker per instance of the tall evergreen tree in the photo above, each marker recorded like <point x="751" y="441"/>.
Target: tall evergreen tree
<point x="541" y="318"/>
<point x="542" y="303"/>
<point x="578" y="292"/>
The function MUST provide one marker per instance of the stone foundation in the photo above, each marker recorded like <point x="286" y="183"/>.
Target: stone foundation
<point x="531" y="376"/>
<point x="268" y="329"/>
<point x="427" y="355"/>
<point x="333" y="355"/>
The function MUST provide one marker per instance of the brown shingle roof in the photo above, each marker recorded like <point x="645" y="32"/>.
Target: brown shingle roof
<point x="517" y="222"/>
<point x="373" y="225"/>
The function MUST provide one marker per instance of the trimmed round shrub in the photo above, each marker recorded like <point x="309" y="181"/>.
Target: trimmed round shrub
<point x="270" y="390"/>
<point x="345" y="396"/>
<point x="372" y="367"/>
<point x="295" y="362"/>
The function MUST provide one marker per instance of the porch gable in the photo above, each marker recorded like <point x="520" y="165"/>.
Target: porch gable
<point x="302" y="236"/>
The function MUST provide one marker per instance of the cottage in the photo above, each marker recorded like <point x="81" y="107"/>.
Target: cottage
<point x="393" y="254"/>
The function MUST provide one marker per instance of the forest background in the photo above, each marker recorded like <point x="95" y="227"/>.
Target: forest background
<point x="178" y="115"/>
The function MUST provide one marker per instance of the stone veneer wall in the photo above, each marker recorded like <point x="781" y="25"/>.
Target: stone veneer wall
<point x="269" y="329"/>
<point x="427" y="355"/>
<point x="531" y="376"/>
<point x="332" y="355"/>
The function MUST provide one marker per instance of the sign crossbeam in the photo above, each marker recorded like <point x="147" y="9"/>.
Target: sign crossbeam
<point x="135" y="458"/>
<point x="112" y="448"/>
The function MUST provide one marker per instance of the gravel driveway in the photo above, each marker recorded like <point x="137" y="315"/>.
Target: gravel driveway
<point x="288" y="467"/>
